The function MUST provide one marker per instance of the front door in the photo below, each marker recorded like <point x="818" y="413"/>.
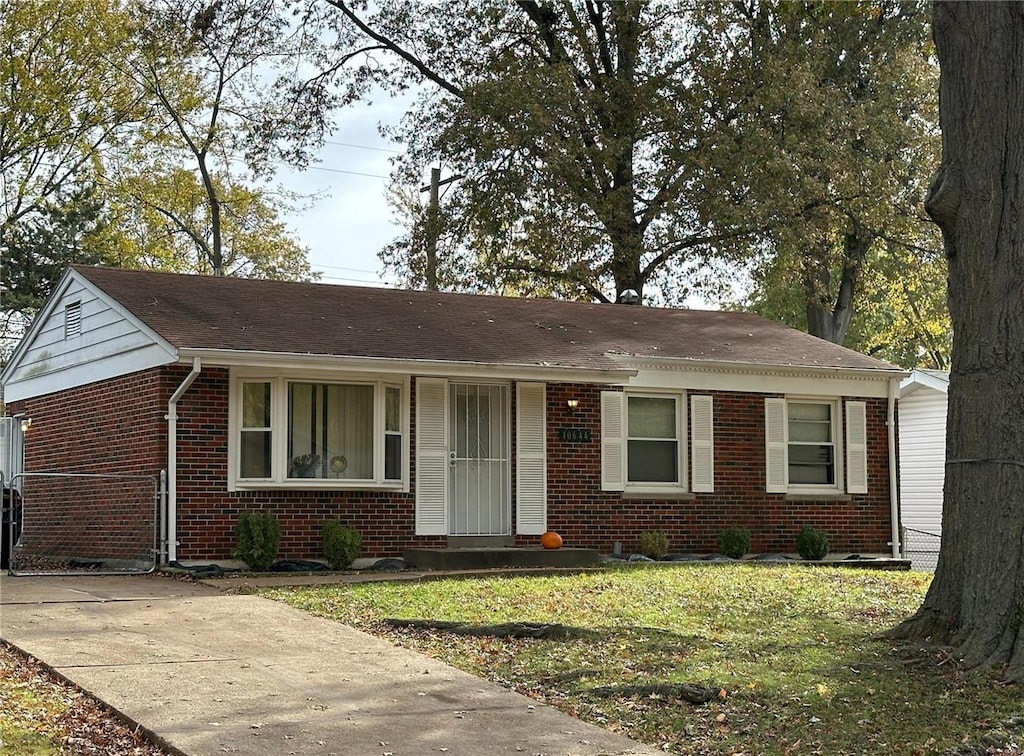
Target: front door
<point x="479" y="492"/>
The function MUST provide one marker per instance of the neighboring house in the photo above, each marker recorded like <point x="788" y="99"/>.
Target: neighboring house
<point x="425" y="419"/>
<point x="922" y="437"/>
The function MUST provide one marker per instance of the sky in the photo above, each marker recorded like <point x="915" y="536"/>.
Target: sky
<point x="348" y="220"/>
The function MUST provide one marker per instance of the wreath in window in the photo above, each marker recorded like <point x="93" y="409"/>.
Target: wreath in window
<point x="304" y="466"/>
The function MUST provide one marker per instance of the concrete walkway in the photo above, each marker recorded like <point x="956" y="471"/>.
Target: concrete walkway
<point x="211" y="673"/>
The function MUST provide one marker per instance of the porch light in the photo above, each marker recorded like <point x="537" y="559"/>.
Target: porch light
<point x="572" y="404"/>
<point x="26" y="423"/>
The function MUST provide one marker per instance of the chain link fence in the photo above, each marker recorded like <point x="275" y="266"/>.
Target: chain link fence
<point x="73" y="524"/>
<point x="921" y="548"/>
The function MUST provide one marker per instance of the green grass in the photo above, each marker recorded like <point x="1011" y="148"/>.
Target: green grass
<point x="29" y="710"/>
<point x="795" y="652"/>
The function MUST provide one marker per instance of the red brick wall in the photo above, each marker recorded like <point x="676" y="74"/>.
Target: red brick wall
<point x="857" y="523"/>
<point x="119" y="426"/>
<point x="115" y="428"/>
<point x="207" y="512"/>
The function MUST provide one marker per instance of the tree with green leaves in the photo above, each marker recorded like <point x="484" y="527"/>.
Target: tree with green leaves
<point x="163" y="220"/>
<point x="63" y="102"/>
<point x="639" y="144"/>
<point x="144" y="134"/>
<point x="835" y="135"/>
<point x="209" y="72"/>
<point x="62" y="97"/>
<point x="900" y="314"/>
<point x="976" y="601"/>
<point x="38" y="248"/>
<point x="665" y="146"/>
<point x="578" y="129"/>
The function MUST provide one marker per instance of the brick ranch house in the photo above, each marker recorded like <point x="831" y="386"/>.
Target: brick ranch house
<point x="428" y="419"/>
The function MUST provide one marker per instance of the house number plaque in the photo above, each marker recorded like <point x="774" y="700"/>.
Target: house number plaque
<point x="574" y="435"/>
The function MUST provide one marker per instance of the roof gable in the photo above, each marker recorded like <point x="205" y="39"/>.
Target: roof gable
<point x="936" y="380"/>
<point x="106" y="340"/>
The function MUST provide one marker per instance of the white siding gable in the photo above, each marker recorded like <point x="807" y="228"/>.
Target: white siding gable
<point x="104" y="341"/>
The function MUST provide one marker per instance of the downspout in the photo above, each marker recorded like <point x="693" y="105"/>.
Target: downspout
<point x="894" y="500"/>
<point x="171" y="511"/>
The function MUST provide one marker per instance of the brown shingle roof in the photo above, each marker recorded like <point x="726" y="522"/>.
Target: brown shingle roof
<point x="205" y="312"/>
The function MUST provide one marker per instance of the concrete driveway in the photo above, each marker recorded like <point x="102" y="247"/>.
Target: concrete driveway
<point x="212" y="673"/>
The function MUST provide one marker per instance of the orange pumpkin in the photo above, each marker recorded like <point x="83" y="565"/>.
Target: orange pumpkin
<point x="551" y="540"/>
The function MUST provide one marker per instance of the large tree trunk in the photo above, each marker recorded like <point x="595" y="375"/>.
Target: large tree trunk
<point x="976" y="600"/>
<point x="828" y="316"/>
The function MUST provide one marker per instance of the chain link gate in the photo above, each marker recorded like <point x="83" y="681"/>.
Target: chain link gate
<point x="921" y="548"/>
<point x="77" y="524"/>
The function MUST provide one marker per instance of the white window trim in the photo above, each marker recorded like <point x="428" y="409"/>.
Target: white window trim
<point x="279" y="422"/>
<point x="838" y="453"/>
<point x="682" y="442"/>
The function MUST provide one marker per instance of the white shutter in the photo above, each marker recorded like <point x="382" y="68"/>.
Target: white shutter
<point x="856" y="448"/>
<point x="531" y="460"/>
<point x="702" y="443"/>
<point x="613" y="458"/>
<point x="431" y="457"/>
<point x="776" y="474"/>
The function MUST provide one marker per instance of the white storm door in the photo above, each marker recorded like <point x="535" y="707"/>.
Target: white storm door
<point x="479" y="491"/>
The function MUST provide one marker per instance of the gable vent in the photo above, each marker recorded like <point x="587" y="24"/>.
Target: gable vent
<point x="73" y="320"/>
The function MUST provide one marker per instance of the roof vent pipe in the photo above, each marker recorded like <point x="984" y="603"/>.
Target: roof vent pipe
<point x="629" y="297"/>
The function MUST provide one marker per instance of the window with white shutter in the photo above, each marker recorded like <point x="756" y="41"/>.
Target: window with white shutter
<point x="804" y="451"/>
<point x="776" y="479"/>
<point x="531" y="459"/>
<point x="431" y="456"/>
<point x="643" y="442"/>
<point x="702" y="445"/>
<point x="856" y="448"/>
<point x="613" y="477"/>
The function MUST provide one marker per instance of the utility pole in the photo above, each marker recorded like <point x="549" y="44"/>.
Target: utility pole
<point x="433" y="221"/>
<point x="434" y="224"/>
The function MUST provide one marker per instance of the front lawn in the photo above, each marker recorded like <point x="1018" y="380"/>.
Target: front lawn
<point x="792" y="653"/>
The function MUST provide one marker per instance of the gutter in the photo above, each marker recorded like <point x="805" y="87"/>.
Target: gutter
<point x="605" y="374"/>
<point x="170" y="550"/>
<point x="692" y="363"/>
<point x="894" y="500"/>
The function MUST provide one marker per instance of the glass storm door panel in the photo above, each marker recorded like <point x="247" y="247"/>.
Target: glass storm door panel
<point x="479" y="495"/>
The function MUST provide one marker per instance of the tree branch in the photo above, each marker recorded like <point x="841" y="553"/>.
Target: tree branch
<point x="398" y="50"/>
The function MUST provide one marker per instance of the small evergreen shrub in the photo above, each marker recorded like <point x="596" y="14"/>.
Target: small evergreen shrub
<point x="734" y="542"/>
<point x="811" y="544"/>
<point x="654" y="543"/>
<point x="259" y="536"/>
<point x="341" y="544"/>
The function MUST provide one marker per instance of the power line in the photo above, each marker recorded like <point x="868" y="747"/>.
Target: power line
<point x="339" y="170"/>
<point x="377" y="283"/>
<point x="351" y="270"/>
<point x="363" y="147"/>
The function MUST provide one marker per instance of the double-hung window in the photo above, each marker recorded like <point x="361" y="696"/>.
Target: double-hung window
<point x="804" y="443"/>
<point x="652" y="440"/>
<point x="256" y="433"/>
<point x="647" y="440"/>
<point x="319" y="433"/>
<point x="812" y="443"/>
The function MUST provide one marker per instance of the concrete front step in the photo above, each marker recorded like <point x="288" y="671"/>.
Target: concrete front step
<point x="483" y="558"/>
